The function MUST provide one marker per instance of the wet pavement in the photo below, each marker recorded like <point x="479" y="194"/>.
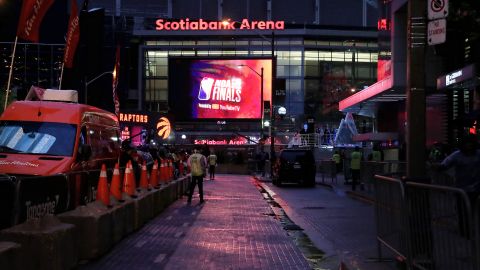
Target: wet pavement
<point x="236" y="228"/>
<point x="339" y="221"/>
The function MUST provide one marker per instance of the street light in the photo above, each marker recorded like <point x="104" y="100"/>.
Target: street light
<point x="272" y="109"/>
<point x="94" y="79"/>
<point x="261" y="92"/>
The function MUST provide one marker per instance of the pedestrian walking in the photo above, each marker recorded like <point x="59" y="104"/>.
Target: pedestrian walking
<point x="355" y="159"/>
<point x="263" y="157"/>
<point x="198" y="165"/>
<point x="337" y="158"/>
<point x="212" y="164"/>
<point x="466" y="163"/>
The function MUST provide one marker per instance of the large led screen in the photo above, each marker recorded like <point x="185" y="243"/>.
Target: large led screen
<point x="218" y="88"/>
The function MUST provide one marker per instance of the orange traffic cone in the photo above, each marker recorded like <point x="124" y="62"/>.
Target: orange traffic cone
<point x="154" y="175"/>
<point x="116" y="185"/>
<point x="170" y="170"/>
<point x="103" y="193"/>
<point x="129" y="181"/>
<point x="143" y="176"/>
<point x="162" y="171"/>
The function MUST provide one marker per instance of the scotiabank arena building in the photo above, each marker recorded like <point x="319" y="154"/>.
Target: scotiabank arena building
<point x="225" y="68"/>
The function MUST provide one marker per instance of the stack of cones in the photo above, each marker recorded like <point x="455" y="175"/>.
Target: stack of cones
<point x="154" y="175"/>
<point x="129" y="181"/>
<point x="116" y="185"/>
<point x="144" y="177"/>
<point x="163" y="178"/>
<point x="169" y="170"/>
<point x="103" y="193"/>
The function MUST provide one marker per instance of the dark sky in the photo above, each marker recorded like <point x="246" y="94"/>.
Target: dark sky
<point x="53" y="27"/>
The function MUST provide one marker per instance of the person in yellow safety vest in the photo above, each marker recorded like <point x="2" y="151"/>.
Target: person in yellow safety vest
<point x="336" y="157"/>
<point x="355" y="159"/>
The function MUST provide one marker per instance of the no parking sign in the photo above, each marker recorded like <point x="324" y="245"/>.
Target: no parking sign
<point x="437" y="9"/>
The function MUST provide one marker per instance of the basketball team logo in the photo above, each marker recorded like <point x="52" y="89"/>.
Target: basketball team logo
<point x="163" y="128"/>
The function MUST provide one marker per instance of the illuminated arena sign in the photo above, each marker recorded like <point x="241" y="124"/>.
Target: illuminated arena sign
<point x="199" y="25"/>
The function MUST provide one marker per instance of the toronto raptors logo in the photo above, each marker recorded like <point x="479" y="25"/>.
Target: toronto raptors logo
<point x="163" y="128"/>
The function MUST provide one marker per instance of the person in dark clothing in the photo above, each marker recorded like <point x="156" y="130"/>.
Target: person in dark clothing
<point x="128" y="153"/>
<point x="262" y="158"/>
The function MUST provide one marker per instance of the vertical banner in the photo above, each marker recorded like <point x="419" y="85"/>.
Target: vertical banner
<point x="73" y="36"/>
<point x="31" y="17"/>
<point x="116" y="70"/>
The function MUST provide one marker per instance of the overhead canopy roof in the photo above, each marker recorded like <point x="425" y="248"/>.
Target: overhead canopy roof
<point x="365" y="102"/>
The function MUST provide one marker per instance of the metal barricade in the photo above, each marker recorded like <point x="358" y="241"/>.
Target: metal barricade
<point x="368" y="169"/>
<point x="441" y="229"/>
<point x="391" y="216"/>
<point x="328" y="168"/>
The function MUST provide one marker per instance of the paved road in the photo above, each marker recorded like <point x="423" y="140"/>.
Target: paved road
<point x="342" y="227"/>
<point x="234" y="229"/>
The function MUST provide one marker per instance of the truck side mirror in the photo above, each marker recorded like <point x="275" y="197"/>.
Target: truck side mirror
<point x="84" y="152"/>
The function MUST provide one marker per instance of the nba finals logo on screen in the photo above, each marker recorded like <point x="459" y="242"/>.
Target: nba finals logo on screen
<point x="220" y="90"/>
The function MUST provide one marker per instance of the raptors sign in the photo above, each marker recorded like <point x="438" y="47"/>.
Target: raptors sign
<point x="219" y="88"/>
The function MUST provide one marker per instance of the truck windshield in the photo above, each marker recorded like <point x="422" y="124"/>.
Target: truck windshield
<point x="56" y="139"/>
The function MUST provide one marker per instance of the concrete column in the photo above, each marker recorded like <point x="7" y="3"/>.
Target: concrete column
<point x="416" y="38"/>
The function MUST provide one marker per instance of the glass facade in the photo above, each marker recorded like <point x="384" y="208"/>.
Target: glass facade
<point x="318" y="74"/>
<point x="35" y="64"/>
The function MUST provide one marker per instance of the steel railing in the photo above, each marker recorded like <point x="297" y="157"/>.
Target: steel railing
<point x="429" y="226"/>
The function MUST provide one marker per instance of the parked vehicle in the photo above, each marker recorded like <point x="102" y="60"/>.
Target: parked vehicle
<point x="295" y="166"/>
<point x="51" y="151"/>
<point x="52" y="137"/>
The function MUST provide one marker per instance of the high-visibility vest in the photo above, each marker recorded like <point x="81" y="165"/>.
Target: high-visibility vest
<point x="355" y="160"/>
<point x="336" y="158"/>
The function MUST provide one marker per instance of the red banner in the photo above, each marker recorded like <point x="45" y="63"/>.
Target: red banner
<point x="116" y="71"/>
<point x="73" y="36"/>
<point x="31" y="17"/>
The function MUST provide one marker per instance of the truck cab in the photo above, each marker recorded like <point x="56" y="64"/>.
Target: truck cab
<point x="52" y="136"/>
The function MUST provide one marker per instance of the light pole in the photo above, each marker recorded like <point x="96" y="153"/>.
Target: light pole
<point x="92" y="80"/>
<point x="272" y="108"/>
<point x="261" y="93"/>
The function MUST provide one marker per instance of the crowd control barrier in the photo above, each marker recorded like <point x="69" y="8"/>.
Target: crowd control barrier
<point x="328" y="169"/>
<point x="390" y="215"/>
<point x="429" y="226"/>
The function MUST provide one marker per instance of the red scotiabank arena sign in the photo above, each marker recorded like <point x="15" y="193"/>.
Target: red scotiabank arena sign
<point x="195" y="25"/>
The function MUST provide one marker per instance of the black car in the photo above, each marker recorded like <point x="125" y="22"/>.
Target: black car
<point x="295" y="165"/>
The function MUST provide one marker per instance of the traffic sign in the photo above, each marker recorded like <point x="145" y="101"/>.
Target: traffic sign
<point x="437" y="9"/>
<point x="437" y="31"/>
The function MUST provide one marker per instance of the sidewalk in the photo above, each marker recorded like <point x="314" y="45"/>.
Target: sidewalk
<point x="340" y="222"/>
<point x="233" y="229"/>
<point x="367" y="194"/>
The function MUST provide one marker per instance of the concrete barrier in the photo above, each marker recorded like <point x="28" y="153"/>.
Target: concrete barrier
<point x="93" y="229"/>
<point x="10" y="255"/>
<point x="158" y="206"/>
<point x="45" y="243"/>
<point x="57" y="242"/>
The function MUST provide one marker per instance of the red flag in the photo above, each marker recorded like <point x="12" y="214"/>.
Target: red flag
<point x="116" y="71"/>
<point x="73" y="36"/>
<point x="31" y="17"/>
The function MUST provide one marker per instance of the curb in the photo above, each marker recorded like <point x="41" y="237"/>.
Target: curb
<point x="313" y="259"/>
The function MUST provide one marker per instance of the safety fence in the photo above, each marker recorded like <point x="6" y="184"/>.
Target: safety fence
<point x="328" y="169"/>
<point x="368" y="169"/>
<point x="428" y="226"/>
